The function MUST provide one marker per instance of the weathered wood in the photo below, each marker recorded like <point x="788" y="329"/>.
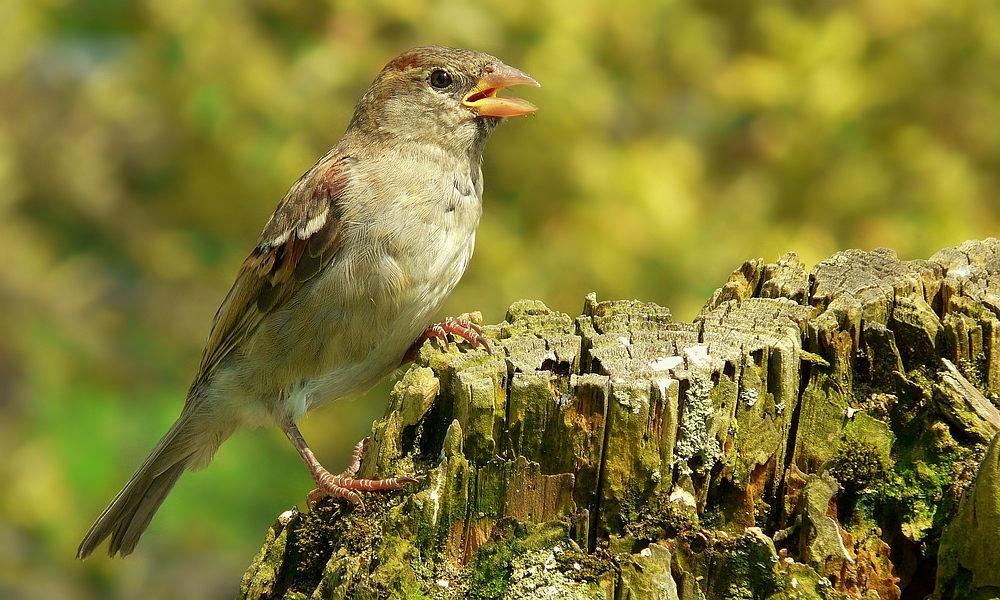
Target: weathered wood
<point x="810" y="435"/>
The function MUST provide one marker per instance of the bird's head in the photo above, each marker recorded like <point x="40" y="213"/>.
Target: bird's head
<point x="443" y="96"/>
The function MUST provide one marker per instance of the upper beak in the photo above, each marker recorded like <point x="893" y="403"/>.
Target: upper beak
<point x="483" y="96"/>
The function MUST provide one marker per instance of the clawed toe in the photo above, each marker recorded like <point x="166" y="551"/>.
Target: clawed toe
<point x="344" y="485"/>
<point x="460" y="328"/>
<point x="468" y="331"/>
<point x="339" y="486"/>
<point x="315" y="496"/>
<point x="465" y="329"/>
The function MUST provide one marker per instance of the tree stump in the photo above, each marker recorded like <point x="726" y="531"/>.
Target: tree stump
<point x="822" y="434"/>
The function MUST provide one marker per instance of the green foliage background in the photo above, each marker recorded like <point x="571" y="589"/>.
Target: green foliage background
<point x="143" y="145"/>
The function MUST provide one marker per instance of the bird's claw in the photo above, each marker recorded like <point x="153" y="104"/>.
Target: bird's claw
<point x="467" y="330"/>
<point x="345" y="486"/>
<point x="458" y="327"/>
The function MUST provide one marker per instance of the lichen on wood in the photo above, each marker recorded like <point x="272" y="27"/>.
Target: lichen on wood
<point x="811" y="434"/>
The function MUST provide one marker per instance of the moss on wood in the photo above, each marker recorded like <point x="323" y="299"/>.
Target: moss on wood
<point x="811" y="434"/>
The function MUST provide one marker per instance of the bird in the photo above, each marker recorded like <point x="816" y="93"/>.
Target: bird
<point x="346" y="278"/>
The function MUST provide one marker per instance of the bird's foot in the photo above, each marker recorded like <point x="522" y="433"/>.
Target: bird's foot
<point x="345" y="485"/>
<point x="463" y="328"/>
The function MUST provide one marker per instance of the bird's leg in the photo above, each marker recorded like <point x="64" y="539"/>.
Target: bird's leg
<point x="344" y="485"/>
<point x="463" y="328"/>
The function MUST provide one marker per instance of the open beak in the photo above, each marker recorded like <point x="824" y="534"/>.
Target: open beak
<point x="483" y="97"/>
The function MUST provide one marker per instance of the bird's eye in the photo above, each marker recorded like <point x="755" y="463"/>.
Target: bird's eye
<point x="440" y="79"/>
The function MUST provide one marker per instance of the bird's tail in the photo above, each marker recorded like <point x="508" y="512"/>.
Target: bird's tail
<point x="188" y="444"/>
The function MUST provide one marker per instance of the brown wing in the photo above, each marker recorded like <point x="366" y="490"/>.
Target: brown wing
<point x="301" y="237"/>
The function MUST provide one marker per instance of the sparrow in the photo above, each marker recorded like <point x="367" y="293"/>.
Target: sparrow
<point x="346" y="277"/>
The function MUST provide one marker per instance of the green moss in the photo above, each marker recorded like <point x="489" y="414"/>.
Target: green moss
<point x="582" y="566"/>
<point x="333" y="525"/>
<point x="312" y="546"/>
<point x="428" y="537"/>
<point x="750" y="567"/>
<point x="931" y="473"/>
<point x="266" y="573"/>
<point x="802" y="582"/>
<point x="742" y="567"/>
<point x="492" y="564"/>
<point x="655" y="518"/>
<point x="859" y="464"/>
<point x="532" y="317"/>
<point x="521" y="558"/>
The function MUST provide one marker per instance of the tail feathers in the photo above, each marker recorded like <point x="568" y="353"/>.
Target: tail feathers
<point x="129" y="514"/>
<point x="184" y="446"/>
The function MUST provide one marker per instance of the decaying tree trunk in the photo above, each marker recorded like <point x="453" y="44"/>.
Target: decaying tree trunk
<point x="823" y="434"/>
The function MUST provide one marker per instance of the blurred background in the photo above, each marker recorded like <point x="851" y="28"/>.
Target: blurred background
<point x="143" y="144"/>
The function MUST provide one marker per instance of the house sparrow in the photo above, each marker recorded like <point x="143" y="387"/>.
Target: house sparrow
<point x="346" y="277"/>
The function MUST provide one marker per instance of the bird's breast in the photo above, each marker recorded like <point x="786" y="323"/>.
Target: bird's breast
<point x="398" y="265"/>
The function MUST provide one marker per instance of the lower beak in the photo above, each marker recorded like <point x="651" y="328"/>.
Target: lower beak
<point x="483" y="97"/>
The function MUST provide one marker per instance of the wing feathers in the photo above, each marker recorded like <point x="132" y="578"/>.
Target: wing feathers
<point x="298" y="241"/>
